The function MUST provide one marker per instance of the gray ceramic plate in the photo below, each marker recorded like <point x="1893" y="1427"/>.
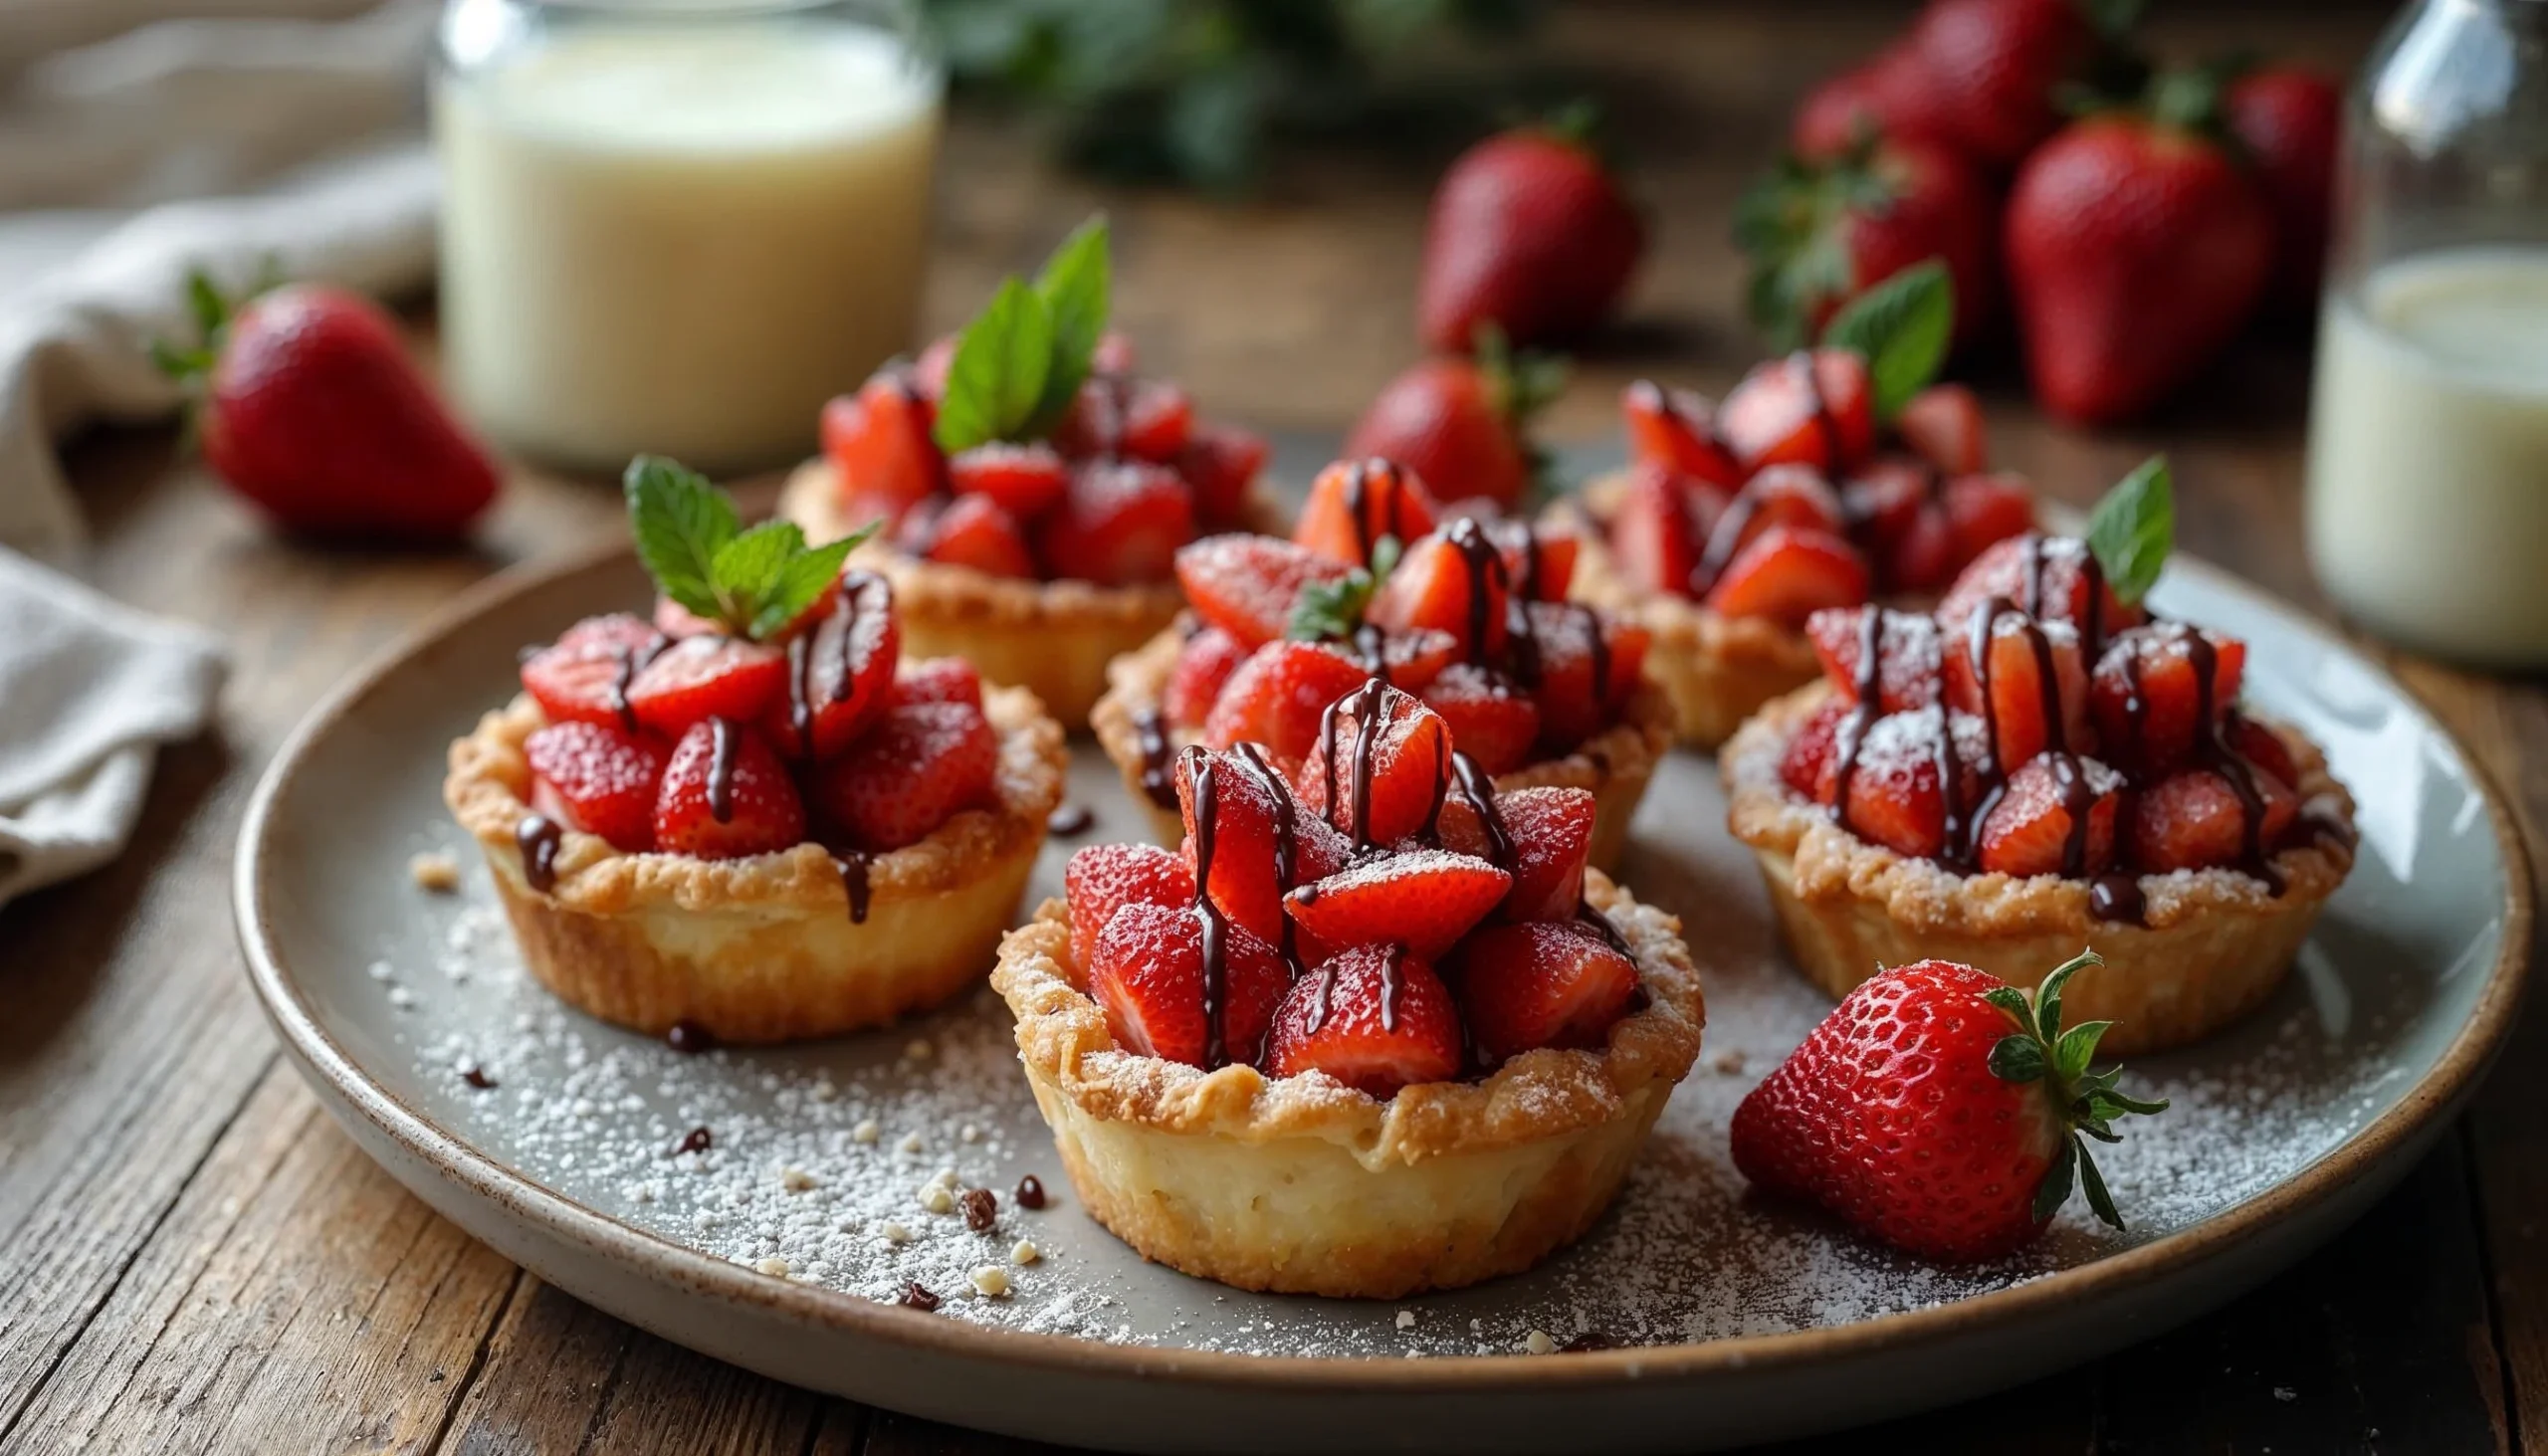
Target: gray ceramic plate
<point x="776" y="1246"/>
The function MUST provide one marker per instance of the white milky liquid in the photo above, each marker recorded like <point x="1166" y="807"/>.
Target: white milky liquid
<point x="678" y="242"/>
<point x="2427" y="511"/>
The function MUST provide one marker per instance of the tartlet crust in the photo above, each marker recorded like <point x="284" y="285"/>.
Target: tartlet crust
<point x="1715" y="670"/>
<point x="1614" y="765"/>
<point x="762" y="949"/>
<point x="2215" y="944"/>
<point x="1304" y="1185"/>
<point x="1053" y="638"/>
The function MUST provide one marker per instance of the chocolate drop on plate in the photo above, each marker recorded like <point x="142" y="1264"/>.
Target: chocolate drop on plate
<point x="688" y="1038"/>
<point x="1030" y="1193"/>
<point x="1070" y="819"/>
<point x="698" y="1139"/>
<point x="916" y="1296"/>
<point x="982" y="1208"/>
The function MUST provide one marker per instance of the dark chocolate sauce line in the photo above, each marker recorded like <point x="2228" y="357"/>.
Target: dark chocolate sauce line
<point x="2213" y="743"/>
<point x="721" y="769"/>
<point x="1590" y="915"/>
<point x="1479" y="790"/>
<point x="2118" y="897"/>
<point x="1370" y="703"/>
<point x="1201" y="771"/>
<point x="1485" y="566"/>
<point x="1251" y="757"/>
<point x="1157" y="781"/>
<point x="1069" y="819"/>
<point x="1801" y="368"/>
<point x="853" y="866"/>
<point x="538" y="837"/>
<point x="1853" y="729"/>
<point x="633" y="659"/>
<point x="1370" y="645"/>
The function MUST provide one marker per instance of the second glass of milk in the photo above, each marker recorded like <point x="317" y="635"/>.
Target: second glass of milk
<point x="2428" y="506"/>
<point x="678" y="226"/>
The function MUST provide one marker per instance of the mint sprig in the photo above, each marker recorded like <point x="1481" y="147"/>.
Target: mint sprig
<point x="1019" y="363"/>
<point x="690" y="536"/>
<point x="1901" y="328"/>
<point x="2088" y="1102"/>
<point x="2134" y="527"/>
<point x="1329" y="611"/>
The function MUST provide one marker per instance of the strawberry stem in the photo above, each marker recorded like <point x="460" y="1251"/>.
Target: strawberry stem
<point x="2088" y="1102"/>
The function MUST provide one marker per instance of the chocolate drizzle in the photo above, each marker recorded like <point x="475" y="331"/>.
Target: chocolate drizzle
<point x="1479" y="790"/>
<point x="1286" y="836"/>
<point x="1030" y="1193"/>
<point x="633" y="658"/>
<point x="852" y="866"/>
<point x="697" y="1139"/>
<point x="721" y="769"/>
<point x="1157" y="781"/>
<point x="1853" y="729"/>
<point x="1358" y="486"/>
<point x="1201" y="771"/>
<point x="1069" y="819"/>
<point x="688" y="1038"/>
<point x="2212" y="744"/>
<point x="1810" y="379"/>
<point x="538" y="837"/>
<point x="1485" y="566"/>
<point x="2118" y="898"/>
<point x="476" y="1076"/>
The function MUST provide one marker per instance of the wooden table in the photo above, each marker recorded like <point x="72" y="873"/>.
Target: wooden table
<point x="192" y="1257"/>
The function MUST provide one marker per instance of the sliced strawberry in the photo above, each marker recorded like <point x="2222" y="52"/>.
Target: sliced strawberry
<point x="1454" y="581"/>
<point x="2263" y="748"/>
<point x="1653" y="536"/>
<point x="1677" y="430"/>
<point x="1490" y="721"/>
<point x="968" y="531"/>
<point x="1277" y="696"/>
<point x="1771" y="417"/>
<point x="1148" y="977"/>
<point x="1585" y="667"/>
<point x="1424" y="900"/>
<point x="1355" y="503"/>
<point x="918" y="764"/>
<point x="1410" y="658"/>
<point x="698" y="678"/>
<point x="1986" y="510"/>
<point x="1374" y="1018"/>
<point x="2195" y="819"/>
<point x="1119" y="524"/>
<point x="928" y="371"/>
<point x="2045" y="575"/>
<point x="1246" y="584"/>
<point x="879" y="445"/>
<point x="939" y="679"/>
<point x="1910" y="654"/>
<point x="840" y="674"/>
<point x="1786" y="575"/>
<point x="2031" y="829"/>
<point x="1943" y="426"/>
<point x="1895" y="791"/>
<point x="1806" y="764"/>
<point x="1548" y="836"/>
<point x="1898" y="506"/>
<point x="1159" y="421"/>
<point x="726" y="794"/>
<point x="1103" y="878"/>
<point x="2019" y="703"/>
<point x="603" y="778"/>
<point x="1252" y="819"/>
<point x="1383" y="790"/>
<point x="2149" y="699"/>
<point x="1541" y="984"/>
<point x="1204" y="665"/>
<point x="1539" y="559"/>
<point x="1024" y="480"/>
<point x="1220" y="462"/>
<point x="583" y="677"/>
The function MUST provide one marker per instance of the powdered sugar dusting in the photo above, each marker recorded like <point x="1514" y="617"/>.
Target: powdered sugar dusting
<point x="849" y="1165"/>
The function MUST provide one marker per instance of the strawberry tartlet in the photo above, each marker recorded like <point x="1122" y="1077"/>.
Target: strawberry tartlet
<point x="1378" y="583"/>
<point x="2039" y="765"/>
<point x="753" y="819"/>
<point x="1812" y="485"/>
<point x="1409" y="1042"/>
<point x="1033" y="491"/>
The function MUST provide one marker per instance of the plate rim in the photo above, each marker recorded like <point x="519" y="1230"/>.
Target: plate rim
<point x="2451" y="1077"/>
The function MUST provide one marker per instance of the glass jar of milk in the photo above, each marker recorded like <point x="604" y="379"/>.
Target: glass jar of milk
<point x="2428" y="505"/>
<point x="678" y="226"/>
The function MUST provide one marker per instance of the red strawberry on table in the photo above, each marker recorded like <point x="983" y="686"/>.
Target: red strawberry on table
<point x="1938" y="1109"/>
<point x="1527" y="232"/>
<point x="1374" y="1018"/>
<point x="1996" y="68"/>
<point x="1541" y="984"/>
<point x="1102" y="878"/>
<point x="597" y="778"/>
<point x="725" y="794"/>
<point x="1148" y="977"/>
<point x="1819" y="233"/>
<point x="311" y="408"/>
<point x="2289" y="120"/>
<point x="1459" y="423"/>
<point x="1890" y="95"/>
<point x="918" y="764"/>
<point x="2136" y="249"/>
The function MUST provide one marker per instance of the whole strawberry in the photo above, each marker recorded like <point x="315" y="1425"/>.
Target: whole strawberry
<point x="1460" y="423"/>
<point x="1820" y="233"/>
<point x="1939" y="1110"/>
<point x="1888" y="95"/>
<point x="2289" y="120"/>
<point x="311" y="408"/>
<point x="1994" y="68"/>
<point x="2136" y="248"/>
<point x="1529" y="232"/>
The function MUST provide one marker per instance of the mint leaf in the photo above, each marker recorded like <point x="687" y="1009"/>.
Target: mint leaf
<point x="996" y="382"/>
<point x="744" y="567"/>
<point x="1901" y="328"/>
<point x="679" y="523"/>
<point x="801" y="579"/>
<point x="1075" y="289"/>
<point x="2133" y="529"/>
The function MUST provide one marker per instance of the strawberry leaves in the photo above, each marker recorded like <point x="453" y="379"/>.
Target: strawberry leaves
<point x="1020" y="364"/>
<point x="2134" y="527"/>
<point x="1901" y="328"/>
<point x="1329" y="611"/>
<point x="752" y="583"/>
<point x="2040" y="1051"/>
